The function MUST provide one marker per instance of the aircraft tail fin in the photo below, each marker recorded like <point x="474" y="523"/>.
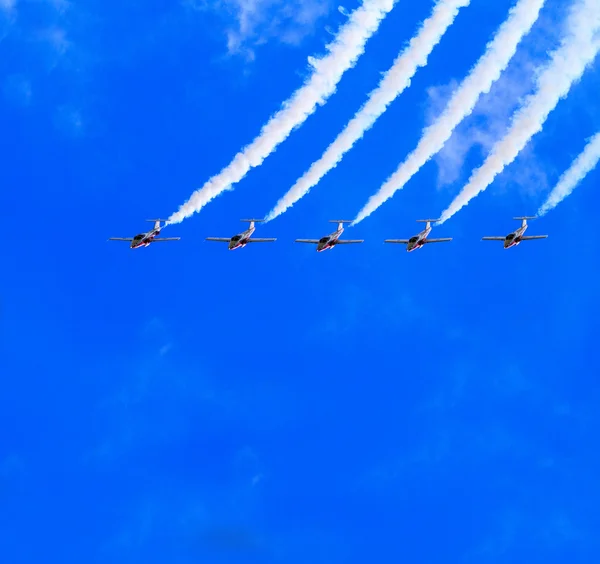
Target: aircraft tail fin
<point x="427" y="221"/>
<point x="340" y="222"/>
<point x="156" y="222"/>
<point x="252" y="221"/>
<point x="524" y="219"/>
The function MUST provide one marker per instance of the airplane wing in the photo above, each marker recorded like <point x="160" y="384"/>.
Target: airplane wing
<point x="155" y="240"/>
<point x="258" y="240"/>
<point x="530" y="237"/>
<point x="348" y="241"/>
<point x="313" y="241"/>
<point x="397" y="241"/>
<point x="120" y="239"/>
<point x="493" y="238"/>
<point x="218" y="239"/>
<point x="444" y="240"/>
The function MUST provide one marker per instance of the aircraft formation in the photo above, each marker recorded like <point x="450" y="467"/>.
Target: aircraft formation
<point x="553" y="81"/>
<point x="327" y="242"/>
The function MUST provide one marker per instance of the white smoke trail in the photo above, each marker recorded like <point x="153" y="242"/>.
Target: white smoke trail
<point x="343" y="53"/>
<point x="394" y="82"/>
<point x="567" y="64"/>
<point x="499" y="51"/>
<point x="581" y="166"/>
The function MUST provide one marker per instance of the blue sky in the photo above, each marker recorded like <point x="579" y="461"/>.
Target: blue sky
<point x="182" y="403"/>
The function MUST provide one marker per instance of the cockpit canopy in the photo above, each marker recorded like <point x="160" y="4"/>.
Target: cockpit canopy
<point x="413" y="239"/>
<point x="323" y="240"/>
<point x="510" y="237"/>
<point x="138" y="237"/>
<point x="236" y="238"/>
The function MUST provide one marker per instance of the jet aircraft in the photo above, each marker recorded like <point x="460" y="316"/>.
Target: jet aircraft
<point x="514" y="238"/>
<point x="333" y="239"/>
<point x="144" y="239"/>
<point x="242" y="239"/>
<point x="421" y="239"/>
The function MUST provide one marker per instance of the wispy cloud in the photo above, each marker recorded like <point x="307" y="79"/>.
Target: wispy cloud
<point x="254" y="22"/>
<point x="60" y="6"/>
<point x="43" y="30"/>
<point x="8" y="5"/>
<point x="50" y="55"/>
<point x="17" y="90"/>
<point x="56" y="38"/>
<point x="69" y="120"/>
<point x="487" y="125"/>
<point x="567" y="64"/>
<point x="8" y="15"/>
<point x="491" y="117"/>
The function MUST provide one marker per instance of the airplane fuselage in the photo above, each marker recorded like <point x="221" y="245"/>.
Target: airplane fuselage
<point x="514" y="238"/>
<point x="328" y="242"/>
<point x="240" y="240"/>
<point x="144" y="239"/>
<point x="418" y="241"/>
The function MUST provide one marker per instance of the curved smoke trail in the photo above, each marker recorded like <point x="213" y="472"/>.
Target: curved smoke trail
<point x="484" y="74"/>
<point x="394" y="82"/>
<point x="567" y="64"/>
<point x="581" y="166"/>
<point x="343" y="53"/>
